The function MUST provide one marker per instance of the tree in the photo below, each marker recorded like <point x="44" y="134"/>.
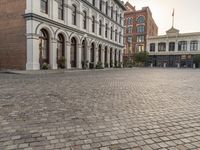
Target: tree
<point x="196" y="60"/>
<point x="141" y="57"/>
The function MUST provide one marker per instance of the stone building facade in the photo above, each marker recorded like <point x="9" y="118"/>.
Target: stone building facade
<point x="39" y="32"/>
<point x="138" y="25"/>
<point x="173" y="49"/>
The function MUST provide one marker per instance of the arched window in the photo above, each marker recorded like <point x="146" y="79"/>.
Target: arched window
<point x="100" y="5"/>
<point x="93" y="24"/>
<point x="111" y="33"/>
<point x="44" y="47"/>
<point x="129" y="29"/>
<point x="106" y="7"/>
<point x="130" y="21"/>
<point x="140" y="19"/>
<point x="93" y="2"/>
<point x="61" y="9"/>
<point x="73" y="14"/>
<point x="116" y="17"/>
<point x="106" y="31"/>
<point x="84" y="20"/>
<point x="112" y="12"/>
<point x="120" y="36"/>
<point x="116" y="35"/>
<point x="140" y="29"/>
<point x="194" y="45"/>
<point x="44" y="6"/>
<point x="100" y="27"/>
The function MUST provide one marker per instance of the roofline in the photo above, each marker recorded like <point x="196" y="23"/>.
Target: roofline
<point x="179" y="35"/>
<point x="120" y="4"/>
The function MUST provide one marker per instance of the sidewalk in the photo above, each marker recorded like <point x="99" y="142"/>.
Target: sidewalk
<point x="59" y="71"/>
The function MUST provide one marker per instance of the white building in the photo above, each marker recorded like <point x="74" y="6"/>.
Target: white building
<point x="173" y="49"/>
<point x="77" y="30"/>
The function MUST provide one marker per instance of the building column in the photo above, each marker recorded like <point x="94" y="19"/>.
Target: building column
<point x="103" y="56"/>
<point x="113" y="58"/>
<point x="53" y="54"/>
<point x="88" y="53"/>
<point x="108" y="56"/>
<point x="121" y="56"/>
<point x="95" y="55"/>
<point x="79" y="48"/>
<point x="67" y="55"/>
<point x="117" y="57"/>
<point x="33" y="52"/>
<point x="167" y="46"/>
<point x="156" y="47"/>
<point x="176" y="46"/>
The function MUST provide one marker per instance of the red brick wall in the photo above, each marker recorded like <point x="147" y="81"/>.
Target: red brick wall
<point x="12" y="34"/>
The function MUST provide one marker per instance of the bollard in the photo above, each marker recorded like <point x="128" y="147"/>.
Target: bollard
<point x="194" y="66"/>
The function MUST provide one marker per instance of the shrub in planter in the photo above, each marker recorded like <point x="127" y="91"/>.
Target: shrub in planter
<point x="61" y="62"/>
<point x="45" y="66"/>
<point x="99" y="65"/>
<point x="141" y="58"/>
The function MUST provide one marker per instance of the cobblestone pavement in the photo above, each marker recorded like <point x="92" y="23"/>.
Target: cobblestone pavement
<point x="139" y="109"/>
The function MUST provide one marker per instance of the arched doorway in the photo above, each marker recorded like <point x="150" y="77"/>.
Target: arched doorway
<point x="44" y="48"/>
<point x="61" y="51"/>
<point x="99" y="51"/>
<point x="105" y="57"/>
<point x="73" y="52"/>
<point x="83" y="54"/>
<point x="115" y="58"/>
<point x="111" y="58"/>
<point x="92" y="55"/>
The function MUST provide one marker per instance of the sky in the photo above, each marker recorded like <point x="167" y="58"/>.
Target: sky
<point x="187" y="14"/>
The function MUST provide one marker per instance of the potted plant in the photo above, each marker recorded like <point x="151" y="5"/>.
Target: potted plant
<point x="45" y="66"/>
<point x="99" y="65"/>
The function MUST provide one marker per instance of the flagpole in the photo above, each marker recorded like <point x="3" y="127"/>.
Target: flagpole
<point x="173" y="18"/>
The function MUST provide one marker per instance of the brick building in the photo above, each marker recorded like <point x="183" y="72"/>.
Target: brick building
<point x="34" y="33"/>
<point x="139" y="24"/>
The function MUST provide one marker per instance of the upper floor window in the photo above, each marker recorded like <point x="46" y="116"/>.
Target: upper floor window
<point x="111" y="33"/>
<point x="44" y="6"/>
<point x="100" y="27"/>
<point x="130" y="21"/>
<point x="93" y="24"/>
<point x="140" y="29"/>
<point x="116" y="17"/>
<point x="106" y="7"/>
<point x="140" y="38"/>
<point x="93" y="2"/>
<point x="129" y="30"/>
<point x="171" y="46"/>
<point x="152" y="47"/>
<point x="140" y="48"/>
<point x="106" y="30"/>
<point x="112" y="12"/>
<point x="182" y="45"/>
<point x="140" y="19"/>
<point x="162" y="46"/>
<point x="120" y="36"/>
<point x="100" y="5"/>
<point x="84" y="19"/>
<point x="61" y="9"/>
<point x="73" y="14"/>
<point x="129" y="39"/>
<point x="194" y="45"/>
<point x="115" y="34"/>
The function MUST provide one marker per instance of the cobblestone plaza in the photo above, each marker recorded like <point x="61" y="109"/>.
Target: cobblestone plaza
<point x="132" y="109"/>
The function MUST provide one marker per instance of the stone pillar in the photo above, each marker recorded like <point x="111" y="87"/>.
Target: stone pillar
<point x="108" y="56"/>
<point x="53" y="54"/>
<point x="79" y="48"/>
<point x="33" y="52"/>
<point x="102" y="56"/>
<point x="156" y="47"/>
<point x="88" y="54"/>
<point x="68" y="54"/>
<point x="121" y="56"/>
<point x="167" y="46"/>
<point x="176" y="46"/>
<point x="194" y="66"/>
<point x="113" y="57"/>
<point x="95" y="55"/>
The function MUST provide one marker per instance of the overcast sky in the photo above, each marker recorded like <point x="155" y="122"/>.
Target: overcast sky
<point x="187" y="13"/>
